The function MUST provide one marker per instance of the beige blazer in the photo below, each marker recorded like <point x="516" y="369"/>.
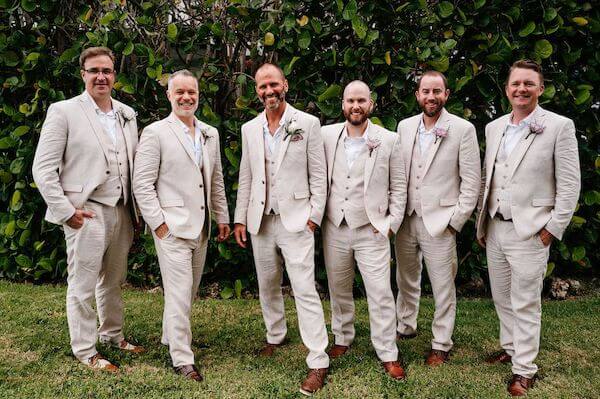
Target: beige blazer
<point x="168" y="184"/>
<point x="71" y="159"/>
<point x="384" y="177"/>
<point x="544" y="181"/>
<point x="300" y="175"/>
<point x="452" y="172"/>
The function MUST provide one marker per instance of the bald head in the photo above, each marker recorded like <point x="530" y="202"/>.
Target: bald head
<point x="357" y="86"/>
<point x="357" y="104"/>
<point x="270" y="69"/>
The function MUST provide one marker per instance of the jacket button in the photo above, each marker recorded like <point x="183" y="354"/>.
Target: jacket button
<point x="263" y="182"/>
<point x="202" y="207"/>
<point x="108" y="172"/>
<point x="200" y="185"/>
<point x="262" y="202"/>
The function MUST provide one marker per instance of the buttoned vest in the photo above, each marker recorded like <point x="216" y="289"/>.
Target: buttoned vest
<point x="271" y="206"/>
<point x="499" y="198"/>
<point x="116" y="185"/>
<point x="415" y="179"/>
<point x="347" y="194"/>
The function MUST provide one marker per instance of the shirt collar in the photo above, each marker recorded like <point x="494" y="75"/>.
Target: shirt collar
<point x="110" y="113"/>
<point x="197" y="128"/>
<point x="363" y="137"/>
<point x="525" y="121"/>
<point x="265" y="122"/>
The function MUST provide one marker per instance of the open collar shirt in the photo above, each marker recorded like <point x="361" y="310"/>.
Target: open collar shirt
<point x="353" y="146"/>
<point x="108" y="120"/>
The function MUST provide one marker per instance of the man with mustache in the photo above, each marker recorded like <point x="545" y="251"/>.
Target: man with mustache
<point x="177" y="180"/>
<point x="530" y="186"/>
<point x="83" y="165"/>
<point x="442" y="162"/>
<point x="365" y="205"/>
<point x="280" y="202"/>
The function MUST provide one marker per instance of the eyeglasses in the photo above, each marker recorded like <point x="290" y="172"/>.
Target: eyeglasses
<point x="97" y="71"/>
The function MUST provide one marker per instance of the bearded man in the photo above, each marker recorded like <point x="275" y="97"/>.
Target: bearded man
<point x="442" y="163"/>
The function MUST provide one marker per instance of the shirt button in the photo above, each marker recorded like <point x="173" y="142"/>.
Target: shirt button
<point x="347" y="188"/>
<point x="419" y="166"/>
<point x="418" y="177"/>
<point x="345" y="199"/>
<point x="272" y="162"/>
<point x="417" y="187"/>
<point x="108" y="172"/>
<point x="348" y="177"/>
<point x="497" y="199"/>
<point x="506" y="165"/>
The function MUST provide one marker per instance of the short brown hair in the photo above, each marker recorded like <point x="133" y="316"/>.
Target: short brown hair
<point x="526" y="64"/>
<point x="94" y="52"/>
<point x="432" y="73"/>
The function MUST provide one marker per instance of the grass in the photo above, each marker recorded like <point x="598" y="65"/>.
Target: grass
<point x="36" y="362"/>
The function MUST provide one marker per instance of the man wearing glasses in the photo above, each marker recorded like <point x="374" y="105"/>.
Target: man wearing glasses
<point x="82" y="168"/>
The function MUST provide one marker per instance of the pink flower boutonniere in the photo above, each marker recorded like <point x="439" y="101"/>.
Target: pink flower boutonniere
<point x="440" y="133"/>
<point x="372" y="144"/>
<point x="293" y="131"/>
<point x="535" y="128"/>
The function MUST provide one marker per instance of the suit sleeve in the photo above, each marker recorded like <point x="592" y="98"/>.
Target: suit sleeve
<point x="218" y="196"/>
<point x="244" y="184"/>
<point x="469" y="169"/>
<point x="145" y="174"/>
<point x="47" y="159"/>
<point x="568" y="180"/>
<point x="398" y="187"/>
<point x="317" y="172"/>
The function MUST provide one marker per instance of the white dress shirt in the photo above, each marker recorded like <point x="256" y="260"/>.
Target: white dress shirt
<point x="108" y="120"/>
<point x="353" y="146"/>
<point x="426" y="137"/>
<point x="196" y="142"/>
<point x="272" y="141"/>
<point x="513" y="134"/>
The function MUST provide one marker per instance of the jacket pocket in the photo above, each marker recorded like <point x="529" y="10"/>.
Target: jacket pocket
<point x="301" y="195"/>
<point x="542" y="202"/>
<point x="171" y="202"/>
<point x="73" y="188"/>
<point x="448" y="201"/>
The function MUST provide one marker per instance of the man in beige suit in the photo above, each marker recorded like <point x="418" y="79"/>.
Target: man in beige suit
<point x="280" y="201"/>
<point x="365" y="205"/>
<point x="530" y="187"/>
<point x="177" y="179"/>
<point x="441" y="155"/>
<point x="82" y="167"/>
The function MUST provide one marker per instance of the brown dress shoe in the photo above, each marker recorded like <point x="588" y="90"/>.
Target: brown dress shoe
<point x="394" y="370"/>
<point x="519" y="385"/>
<point x="98" y="362"/>
<point x="337" y="351"/>
<point x="131" y="348"/>
<point x="269" y="349"/>
<point x="500" y="357"/>
<point x="405" y="336"/>
<point x="314" y="381"/>
<point x="436" y="357"/>
<point x="189" y="371"/>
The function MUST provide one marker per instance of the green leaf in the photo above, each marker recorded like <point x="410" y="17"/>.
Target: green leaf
<point x="304" y="39"/>
<point x="224" y="251"/>
<point x="15" y="201"/>
<point x="226" y="293"/>
<point x="359" y="26"/>
<point x="10" y="58"/>
<point x="28" y="5"/>
<point x="172" y="32"/>
<point x="372" y="35"/>
<point x="578" y="253"/>
<point x="549" y="269"/>
<point x="582" y="96"/>
<point x="478" y="4"/>
<point x="549" y="92"/>
<point x="550" y="14"/>
<point x="128" y="48"/>
<point x="23" y="261"/>
<point x="17" y="165"/>
<point x="528" y="29"/>
<point x="441" y="64"/>
<point x="232" y="158"/>
<point x="7" y="142"/>
<point x="21" y="130"/>
<point x="350" y="10"/>
<point x="577" y="221"/>
<point x="107" y="18"/>
<point x="9" y="230"/>
<point x="129" y="89"/>
<point x="288" y="68"/>
<point x="380" y="80"/>
<point x="446" y="8"/>
<point x="238" y="288"/>
<point x="333" y="91"/>
<point x="543" y="48"/>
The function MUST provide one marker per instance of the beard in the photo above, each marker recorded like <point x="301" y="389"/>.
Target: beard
<point x="438" y="108"/>
<point x="356" y="122"/>
<point x="185" y="113"/>
<point x="273" y="105"/>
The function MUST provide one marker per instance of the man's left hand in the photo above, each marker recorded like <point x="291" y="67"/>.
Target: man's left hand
<point x="546" y="237"/>
<point x="224" y="231"/>
<point x="312" y="225"/>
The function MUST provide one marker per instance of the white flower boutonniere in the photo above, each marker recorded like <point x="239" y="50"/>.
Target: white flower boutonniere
<point x="440" y="133"/>
<point x="535" y="128"/>
<point x="125" y="116"/>
<point x="372" y="144"/>
<point x="293" y="130"/>
<point x="205" y="135"/>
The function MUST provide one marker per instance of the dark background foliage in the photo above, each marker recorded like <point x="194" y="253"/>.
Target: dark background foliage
<point x="321" y="46"/>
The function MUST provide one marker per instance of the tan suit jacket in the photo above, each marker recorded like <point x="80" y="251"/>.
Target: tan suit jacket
<point x="384" y="177"/>
<point x="71" y="159"/>
<point x="167" y="183"/>
<point x="451" y="175"/>
<point x="544" y="180"/>
<point x="300" y="175"/>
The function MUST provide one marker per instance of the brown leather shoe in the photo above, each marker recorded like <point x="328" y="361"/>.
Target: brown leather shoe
<point x="337" y="351"/>
<point x="394" y="370"/>
<point x="499" y="357"/>
<point x="400" y="336"/>
<point x="269" y="349"/>
<point x="131" y="348"/>
<point x="519" y="385"/>
<point x="314" y="381"/>
<point x="98" y="362"/>
<point x="189" y="371"/>
<point x="436" y="357"/>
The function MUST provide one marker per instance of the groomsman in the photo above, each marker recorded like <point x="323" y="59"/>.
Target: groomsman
<point x="280" y="202"/>
<point x="365" y="205"/>
<point x="82" y="167"/>
<point x="530" y="187"/>
<point x="177" y="180"/>
<point x="442" y="164"/>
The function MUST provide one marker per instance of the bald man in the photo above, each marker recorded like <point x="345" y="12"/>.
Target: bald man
<point x="365" y="206"/>
<point x="280" y="202"/>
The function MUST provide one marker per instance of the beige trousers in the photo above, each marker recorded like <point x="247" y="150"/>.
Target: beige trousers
<point x="516" y="268"/>
<point x="272" y="243"/>
<point x="344" y="247"/>
<point x="181" y="264"/>
<point x="439" y="254"/>
<point x="97" y="266"/>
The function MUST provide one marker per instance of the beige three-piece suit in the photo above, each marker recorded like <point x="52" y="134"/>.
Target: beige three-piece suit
<point x="534" y="186"/>
<point x="279" y="190"/>
<point x="366" y="200"/>
<point x="443" y="187"/>
<point x="172" y="188"/>
<point x="78" y="164"/>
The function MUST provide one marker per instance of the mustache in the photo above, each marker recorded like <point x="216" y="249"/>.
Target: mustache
<point x="280" y="96"/>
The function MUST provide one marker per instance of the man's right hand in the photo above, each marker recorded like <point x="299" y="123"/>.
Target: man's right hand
<point x="239" y="231"/>
<point x="76" y="221"/>
<point x="162" y="231"/>
<point x="481" y="241"/>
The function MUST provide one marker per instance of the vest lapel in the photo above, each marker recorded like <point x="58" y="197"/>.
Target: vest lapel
<point x="90" y="113"/>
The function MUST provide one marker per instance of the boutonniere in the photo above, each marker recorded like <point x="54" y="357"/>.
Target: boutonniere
<point x="440" y="133"/>
<point x="293" y="130"/>
<point x="535" y="128"/>
<point x="126" y="116"/>
<point x="372" y="144"/>
<point x="205" y="135"/>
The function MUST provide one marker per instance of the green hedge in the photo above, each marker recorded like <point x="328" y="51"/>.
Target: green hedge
<point x="321" y="46"/>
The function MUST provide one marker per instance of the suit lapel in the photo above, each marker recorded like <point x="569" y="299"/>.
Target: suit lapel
<point x="125" y="131"/>
<point x="493" y="151"/>
<point x="524" y="143"/>
<point x="177" y="130"/>
<point x="288" y="115"/>
<point x="90" y="113"/>
<point x="372" y="157"/>
<point x="443" y="122"/>
<point x="411" y="135"/>
<point x="334" y="142"/>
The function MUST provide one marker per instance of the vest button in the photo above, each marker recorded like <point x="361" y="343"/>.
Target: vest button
<point x="347" y="176"/>
<point x="200" y="185"/>
<point x="202" y="207"/>
<point x="118" y="187"/>
<point x="108" y="172"/>
<point x="262" y="202"/>
<point x="418" y="177"/>
<point x="263" y="182"/>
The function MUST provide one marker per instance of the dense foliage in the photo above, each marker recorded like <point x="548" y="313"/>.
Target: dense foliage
<point x="321" y="46"/>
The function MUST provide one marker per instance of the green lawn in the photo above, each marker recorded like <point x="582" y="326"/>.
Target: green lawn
<point x="35" y="358"/>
